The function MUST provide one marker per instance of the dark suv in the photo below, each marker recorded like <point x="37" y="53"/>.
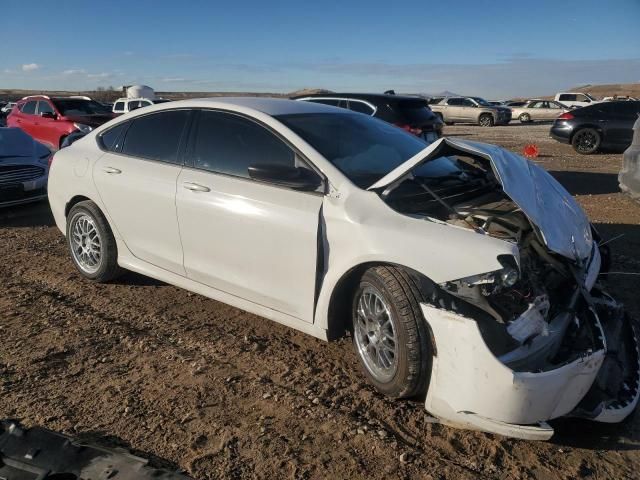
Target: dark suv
<point x="409" y="113"/>
<point x="50" y="120"/>
<point x="607" y="125"/>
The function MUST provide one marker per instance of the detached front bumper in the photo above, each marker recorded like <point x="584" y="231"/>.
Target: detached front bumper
<point x="471" y="388"/>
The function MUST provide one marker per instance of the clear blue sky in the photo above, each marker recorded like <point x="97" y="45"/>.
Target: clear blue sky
<point x="497" y="49"/>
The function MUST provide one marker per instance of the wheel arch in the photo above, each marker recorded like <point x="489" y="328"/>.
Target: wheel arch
<point x="597" y="128"/>
<point x="339" y="309"/>
<point x="74" y="201"/>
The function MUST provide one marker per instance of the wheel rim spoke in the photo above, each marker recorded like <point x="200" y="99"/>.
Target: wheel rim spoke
<point x="85" y="243"/>
<point x="375" y="335"/>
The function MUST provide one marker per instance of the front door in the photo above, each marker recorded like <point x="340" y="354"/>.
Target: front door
<point x="251" y="239"/>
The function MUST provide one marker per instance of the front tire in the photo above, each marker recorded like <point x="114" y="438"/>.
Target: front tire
<point x="486" y="120"/>
<point x="586" y="141"/>
<point x="91" y="243"/>
<point x="389" y="332"/>
<point x="524" y="118"/>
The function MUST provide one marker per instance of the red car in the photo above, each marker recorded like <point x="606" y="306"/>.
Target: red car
<point x="51" y="119"/>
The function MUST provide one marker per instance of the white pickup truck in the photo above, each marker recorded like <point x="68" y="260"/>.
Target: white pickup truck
<point x="575" y="99"/>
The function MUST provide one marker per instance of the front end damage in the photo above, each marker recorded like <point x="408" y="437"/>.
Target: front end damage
<point x="538" y="339"/>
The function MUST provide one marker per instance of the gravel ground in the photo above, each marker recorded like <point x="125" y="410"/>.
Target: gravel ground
<point x="197" y="385"/>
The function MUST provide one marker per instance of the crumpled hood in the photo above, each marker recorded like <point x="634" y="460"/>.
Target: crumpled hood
<point x="562" y="223"/>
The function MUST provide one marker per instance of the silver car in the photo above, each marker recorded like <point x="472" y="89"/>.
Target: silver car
<point x="471" y="110"/>
<point x="24" y="168"/>
<point x="539" y="110"/>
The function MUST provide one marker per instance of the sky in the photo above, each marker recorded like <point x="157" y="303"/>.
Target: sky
<point x="497" y="49"/>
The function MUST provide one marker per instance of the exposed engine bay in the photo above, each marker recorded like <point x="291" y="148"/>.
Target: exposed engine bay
<point x="544" y="309"/>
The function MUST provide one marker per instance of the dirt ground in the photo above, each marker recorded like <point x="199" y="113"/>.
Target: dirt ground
<point x="196" y="385"/>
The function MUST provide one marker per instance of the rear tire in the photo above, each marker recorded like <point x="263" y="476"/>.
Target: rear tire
<point x="91" y="243"/>
<point x="524" y="118"/>
<point x="390" y="334"/>
<point x="486" y="120"/>
<point x="586" y="141"/>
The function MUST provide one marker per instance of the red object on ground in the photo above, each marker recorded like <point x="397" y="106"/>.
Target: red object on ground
<point x="531" y="151"/>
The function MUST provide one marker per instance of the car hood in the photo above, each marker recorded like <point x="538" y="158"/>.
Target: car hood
<point x="18" y="147"/>
<point x="562" y="223"/>
<point x="91" y="120"/>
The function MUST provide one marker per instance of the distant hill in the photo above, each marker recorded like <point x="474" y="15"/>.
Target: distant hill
<point x="620" y="89"/>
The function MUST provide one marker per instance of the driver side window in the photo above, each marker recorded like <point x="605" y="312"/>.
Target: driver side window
<point x="229" y="144"/>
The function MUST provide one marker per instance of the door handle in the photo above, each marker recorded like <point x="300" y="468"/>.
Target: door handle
<point x="111" y="170"/>
<point x="195" y="187"/>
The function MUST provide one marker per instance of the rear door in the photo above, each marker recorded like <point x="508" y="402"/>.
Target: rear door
<point x="454" y="109"/>
<point x="255" y="240"/>
<point x="620" y="119"/>
<point x="136" y="180"/>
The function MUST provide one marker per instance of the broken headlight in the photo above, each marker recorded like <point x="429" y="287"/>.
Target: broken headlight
<point x="491" y="282"/>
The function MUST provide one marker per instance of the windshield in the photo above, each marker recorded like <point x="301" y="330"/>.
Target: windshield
<point x="365" y="149"/>
<point x="78" y="106"/>
<point x="481" y="101"/>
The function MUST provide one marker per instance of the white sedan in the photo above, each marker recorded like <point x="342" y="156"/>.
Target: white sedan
<point x="466" y="275"/>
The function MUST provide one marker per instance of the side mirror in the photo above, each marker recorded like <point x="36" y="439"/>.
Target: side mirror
<point x="50" y="115"/>
<point x="293" y="177"/>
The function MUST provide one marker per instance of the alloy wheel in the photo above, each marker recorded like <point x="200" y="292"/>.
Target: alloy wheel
<point x="375" y="335"/>
<point x="85" y="242"/>
<point x="586" y="141"/>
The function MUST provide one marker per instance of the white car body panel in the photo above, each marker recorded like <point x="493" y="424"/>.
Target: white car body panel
<point x="133" y="190"/>
<point x="250" y="239"/>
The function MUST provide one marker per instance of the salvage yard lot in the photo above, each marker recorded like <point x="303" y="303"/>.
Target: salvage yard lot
<point x="201" y="386"/>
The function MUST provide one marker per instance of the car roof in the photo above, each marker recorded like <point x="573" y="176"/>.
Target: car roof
<point x="267" y="105"/>
<point x="362" y="96"/>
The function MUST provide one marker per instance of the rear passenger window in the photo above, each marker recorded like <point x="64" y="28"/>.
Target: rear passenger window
<point x="567" y="97"/>
<point x="229" y="144"/>
<point x="119" y="106"/>
<point x="109" y="139"/>
<point x="360" y="107"/>
<point x="29" y="108"/>
<point x="156" y="136"/>
<point x="455" y="102"/>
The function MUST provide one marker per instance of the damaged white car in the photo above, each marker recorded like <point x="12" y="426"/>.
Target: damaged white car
<point x="467" y="274"/>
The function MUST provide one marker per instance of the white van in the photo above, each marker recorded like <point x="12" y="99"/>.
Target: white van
<point x="124" y="105"/>
<point x="575" y="99"/>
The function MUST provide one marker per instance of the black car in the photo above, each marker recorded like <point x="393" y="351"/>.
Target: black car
<point x="602" y="125"/>
<point x="410" y="113"/>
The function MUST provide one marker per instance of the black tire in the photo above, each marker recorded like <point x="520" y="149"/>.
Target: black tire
<point x="412" y="358"/>
<point x="586" y="141"/>
<point x="439" y="115"/>
<point x="486" y="120"/>
<point x="106" y="268"/>
<point x="524" y="118"/>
